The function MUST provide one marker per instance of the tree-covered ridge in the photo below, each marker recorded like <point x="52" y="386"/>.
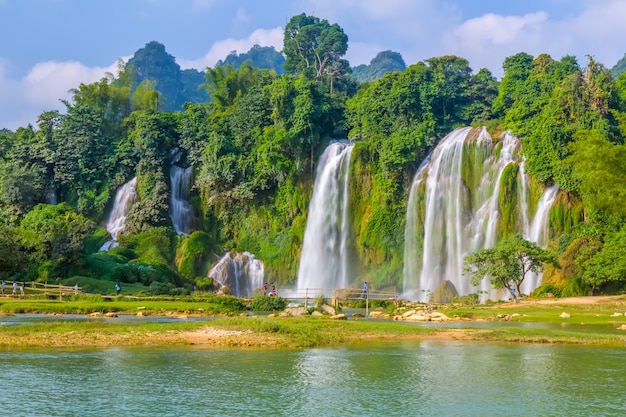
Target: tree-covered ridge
<point x="254" y="141"/>
<point x="381" y="64"/>
<point x="265" y="57"/>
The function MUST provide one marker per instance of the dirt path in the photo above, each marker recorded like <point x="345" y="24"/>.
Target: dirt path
<point x="602" y="299"/>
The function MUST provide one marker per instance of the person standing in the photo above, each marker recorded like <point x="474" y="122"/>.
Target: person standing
<point x="4" y="284"/>
<point x="365" y="289"/>
<point x="14" y="288"/>
<point x="22" y="285"/>
<point x="118" y="288"/>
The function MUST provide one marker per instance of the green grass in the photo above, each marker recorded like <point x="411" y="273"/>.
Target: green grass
<point x="206" y="305"/>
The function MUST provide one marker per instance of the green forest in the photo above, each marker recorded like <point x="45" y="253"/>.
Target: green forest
<point x="253" y="128"/>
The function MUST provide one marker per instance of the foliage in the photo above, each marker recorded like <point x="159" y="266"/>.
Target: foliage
<point x="507" y="263"/>
<point x="607" y="265"/>
<point x="267" y="303"/>
<point x="55" y="233"/>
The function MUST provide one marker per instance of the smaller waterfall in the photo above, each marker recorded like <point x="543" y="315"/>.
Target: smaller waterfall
<point x="51" y="197"/>
<point x="241" y="273"/>
<point x="181" y="211"/>
<point x="537" y="232"/>
<point x="324" y="258"/>
<point x="125" y="196"/>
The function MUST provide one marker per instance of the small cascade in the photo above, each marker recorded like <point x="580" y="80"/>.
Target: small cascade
<point x="324" y="258"/>
<point x="51" y="197"/>
<point x="125" y="196"/>
<point x="537" y="232"/>
<point x="181" y="211"/>
<point x="241" y="273"/>
<point x="453" y="210"/>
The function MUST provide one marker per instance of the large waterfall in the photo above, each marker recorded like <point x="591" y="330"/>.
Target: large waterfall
<point x="125" y="196"/>
<point x="454" y="210"/>
<point x="181" y="211"/>
<point x="241" y="273"/>
<point x="324" y="258"/>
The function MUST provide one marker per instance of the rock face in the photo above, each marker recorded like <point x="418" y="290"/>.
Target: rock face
<point x="444" y="293"/>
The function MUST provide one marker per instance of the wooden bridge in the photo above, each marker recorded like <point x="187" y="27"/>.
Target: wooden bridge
<point x="38" y="288"/>
<point x="338" y="295"/>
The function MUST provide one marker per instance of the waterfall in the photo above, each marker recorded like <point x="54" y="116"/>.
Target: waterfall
<point x="51" y="197"/>
<point x="125" y="196"/>
<point x="324" y="258"/>
<point x="537" y="232"/>
<point x="181" y="211"/>
<point x="241" y="273"/>
<point x="456" y="191"/>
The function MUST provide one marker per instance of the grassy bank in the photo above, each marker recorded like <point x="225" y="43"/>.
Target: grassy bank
<point x="306" y="331"/>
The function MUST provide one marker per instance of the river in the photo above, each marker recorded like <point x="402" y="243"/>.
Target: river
<point x="410" y="378"/>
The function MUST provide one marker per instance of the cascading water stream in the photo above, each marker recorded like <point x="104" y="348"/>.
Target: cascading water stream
<point x="241" y="273"/>
<point x="324" y="258"/>
<point x="537" y="232"/>
<point x="457" y="193"/>
<point x="125" y="196"/>
<point x="181" y="211"/>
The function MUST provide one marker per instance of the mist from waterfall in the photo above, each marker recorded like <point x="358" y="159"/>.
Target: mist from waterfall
<point x="456" y="191"/>
<point x="181" y="211"/>
<point x="324" y="257"/>
<point x="125" y="196"/>
<point x="240" y="273"/>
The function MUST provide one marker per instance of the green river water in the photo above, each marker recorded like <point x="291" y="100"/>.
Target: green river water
<point x="417" y="378"/>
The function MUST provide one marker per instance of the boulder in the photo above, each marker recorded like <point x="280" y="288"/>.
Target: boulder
<point x="417" y="317"/>
<point x="328" y="310"/>
<point x="439" y="316"/>
<point x="376" y="314"/>
<point x="444" y="293"/>
<point x="339" y="317"/>
<point x="317" y="313"/>
<point x="564" y="315"/>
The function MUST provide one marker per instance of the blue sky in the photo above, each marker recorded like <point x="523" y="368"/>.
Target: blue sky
<point x="50" y="46"/>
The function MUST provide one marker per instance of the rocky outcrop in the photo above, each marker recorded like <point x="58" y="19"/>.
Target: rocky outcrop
<point x="444" y="293"/>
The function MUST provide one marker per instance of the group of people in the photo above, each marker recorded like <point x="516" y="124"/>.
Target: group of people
<point x="272" y="292"/>
<point x="21" y="287"/>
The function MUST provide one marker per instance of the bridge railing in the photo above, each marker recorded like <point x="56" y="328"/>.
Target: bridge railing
<point x="338" y="294"/>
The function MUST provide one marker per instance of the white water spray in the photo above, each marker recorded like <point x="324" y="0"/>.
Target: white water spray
<point x="181" y="211"/>
<point x="324" y="258"/>
<point x="125" y="196"/>
<point x="241" y="273"/>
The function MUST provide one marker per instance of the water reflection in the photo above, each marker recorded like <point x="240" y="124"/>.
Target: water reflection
<point x="416" y="378"/>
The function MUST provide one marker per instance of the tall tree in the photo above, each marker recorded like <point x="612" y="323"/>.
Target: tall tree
<point x="508" y="262"/>
<point x="314" y="47"/>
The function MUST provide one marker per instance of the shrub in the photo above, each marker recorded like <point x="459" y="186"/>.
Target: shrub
<point x="265" y="303"/>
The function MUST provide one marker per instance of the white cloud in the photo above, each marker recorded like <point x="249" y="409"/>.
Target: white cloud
<point x="220" y="49"/>
<point x="492" y="29"/>
<point x="23" y="100"/>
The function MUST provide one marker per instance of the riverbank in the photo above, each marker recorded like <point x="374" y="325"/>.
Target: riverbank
<point x="583" y="320"/>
